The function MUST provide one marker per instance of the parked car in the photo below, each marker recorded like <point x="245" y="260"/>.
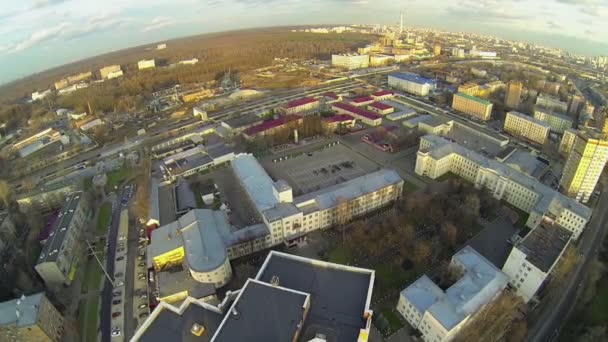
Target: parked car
<point x="118" y="275"/>
<point x="143" y="296"/>
<point x="140" y="257"/>
<point x="116" y="294"/>
<point x="122" y="257"/>
<point x="118" y="284"/>
<point x="142" y="306"/>
<point x="142" y="264"/>
<point x="143" y="315"/>
<point x="115" y="331"/>
<point x="116" y="302"/>
<point x="122" y="237"/>
<point x="116" y="314"/>
<point x="120" y="250"/>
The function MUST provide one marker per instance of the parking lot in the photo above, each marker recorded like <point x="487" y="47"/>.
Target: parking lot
<point x="322" y="168"/>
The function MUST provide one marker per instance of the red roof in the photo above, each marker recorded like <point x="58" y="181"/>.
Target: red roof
<point x="362" y="99"/>
<point x="266" y="125"/>
<point x="358" y="111"/>
<point x="383" y="93"/>
<point x="331" y="95"/>
<point x="380" y="105"/>
<point x="300" y="102"/>
<point x="339" y="118"/>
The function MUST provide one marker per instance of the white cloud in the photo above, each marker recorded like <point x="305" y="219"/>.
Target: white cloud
<point x="158" y="23"/>
<point x="41" y="36"/>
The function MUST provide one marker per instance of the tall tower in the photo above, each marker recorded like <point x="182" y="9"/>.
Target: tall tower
<point x="514" y="89"/>
<point x="401" y="24"/>
<point x="585" y="163"/>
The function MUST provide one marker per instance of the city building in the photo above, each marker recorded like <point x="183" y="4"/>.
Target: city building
<point x="105" y="72"/>
<point x="377" y="60"/>
<point x="333" y="122"/>
<point x="567" y="141"/>
<point x="438" y="156"/>
<point x="361" y="101"/>
<point x="36" y="142"/>
<point x="189" y="61"/>
<point x="161" y="46"/>
<point x="198" y="112"/>
<point x="472" y="106"/>
<point x="280" y="304"/>
<point x="46" y="198"/>
<point x="30" y="318"/>
<point x="350" y="61"/>
<point x="271" y="126"/>
<point x="40" y="95"/>
<point x="469" y="89"/>
<point x="115" y="74"/>
<point x="411" y="83"/>
<point x="437" y="50"/>
<point x="303" y="105"/>
<point x="72" y="80"/>
<point x="402" y="114"/>
<point x="559" y="123"/>
<point x="381" y="108"/>
<point x="365" y="116"/>
<point x="439" y="315"/>
<point x="146" y="64"/>
<point x="383" y="95"/>
<point x="552" y="103"/>
<point x="585" y="164"/>
<point x="527" y="127"/>
<point x="532" y="259"/>
<point x="194" y="160"/>
<point x="576" y="103"/>
<point x="57" y="263"/>
<point x="513" y="94"/>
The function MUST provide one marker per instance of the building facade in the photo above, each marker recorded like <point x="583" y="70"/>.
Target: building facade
<point x="365" y="116"/>
<point x="302" y="105"/>
<point x="31" y="318"/>
<point x="469" y="89"/>
<point x="527" y="127"/>
<point x="57" y="262"/>
<point x="350" y="61"/>
<point x="585" y="164"/>
<point x="146" y="64"/>
<point x="567" y="141"/>
<point x="411" y="83"/>
<point x="551" y="103"/>
<point x="472" y="106"/>
<point x="559" y="123"/>
<point x="513" y="94"/>
<point x="105" y="72"/>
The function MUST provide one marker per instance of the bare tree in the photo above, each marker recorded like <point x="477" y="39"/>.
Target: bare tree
<point x="5" y="193"/>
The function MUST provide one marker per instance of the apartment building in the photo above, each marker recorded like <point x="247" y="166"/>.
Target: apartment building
<point x="527" y="127"/>
<point x="439" y="315"/>
<point x="383" y="95"/>
<point x="551" y="103"/>
<point x="367" y="117"/>
<point x="585" y="164"/>
<point x="472" y="106"/>
<point x="30" y="318"/>
<point x="107" y="72"/>
<point x="437" y="156"/>
<point x="350" y="61"/>
<point x="532" y="259"/>
<point x="469" y="88"/>
<point x="411" y="83"/>
<point x="567" y="141"/>
<point x="559" y="123"/>
<point x="146" y="64"/>
<point x="513" y="94"/>
<point x="46" y="198"/>
<point x="306" y="104"/>
<point x="57" y="262"/>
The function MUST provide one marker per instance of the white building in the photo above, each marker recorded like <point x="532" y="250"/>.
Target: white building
<point x="551" y="103"/>
<point x="189" y="61"/>
<point x="559" y="123"/>
<point x="115" y="74"/>
<point x="40" y="95"/>
<point x="439" y="314"/>
<point x="146" y="64"/>
<point x="350" y="61"/>
<point x="532" y="259"/>
<point x="527" y="127"/>
<point x="411" y="83"/>
<point x="438" y="156"/>
<point x="161" y="46"/>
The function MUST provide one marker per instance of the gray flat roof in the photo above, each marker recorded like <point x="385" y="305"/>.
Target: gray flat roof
<point x="184" y="197"/>
<point x="243" y="121"/>
<point x="179" y="279"/>
<point x="544" y="244"/>
<point x="262" y="313"/>
<point x="52" y="248"/>
<point x="28" y="310"/>
<point x="340" y="295"/>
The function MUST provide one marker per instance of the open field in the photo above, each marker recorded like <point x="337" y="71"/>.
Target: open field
<point x="103" y="218"/>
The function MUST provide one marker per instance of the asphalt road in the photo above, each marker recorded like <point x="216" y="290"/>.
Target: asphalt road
<point x="554" y="315"/>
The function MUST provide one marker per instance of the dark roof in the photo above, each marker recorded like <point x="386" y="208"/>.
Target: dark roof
<point x="52" y="248"/>
<point x="263" y="313"/>
<point x="243" y="121"/>
<point x="339" y="118"/>
<point x="170" y="326"/>
<point x="382" y="93"/>
<point x="185" y="197"/>
<point x="283" y="120"/>
<point x="338" y="295"/>
<point x="544" y="244"/>
<point x="362" y="99"/>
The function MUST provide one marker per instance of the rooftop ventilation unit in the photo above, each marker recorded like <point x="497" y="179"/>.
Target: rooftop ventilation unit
<point x="197" y="329"/>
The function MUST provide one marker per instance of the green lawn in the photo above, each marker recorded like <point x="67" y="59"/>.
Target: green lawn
<point x="93" y="313"/>
<point x="523" y="216"/>
<point x="447" y="176"/>
<point x="598" y="309"/>
<point x="116" y="177"/>
<point x="92" y="276"/>
<point x="103" y="218"/>
<point x="392" y="318"/>
<point x="391" y="276"/>
<point x="340" y="255"/>
<point x="82" y="324"/>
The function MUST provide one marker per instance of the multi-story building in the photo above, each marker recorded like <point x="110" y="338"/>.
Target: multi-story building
<point x="106" y="72"/>
<point x="383" y="95"/>
<point x="527" y="127"/>
<point x="411" y="83"/>
<point x="350" y="61"/>
<point x="57" y="264"/>
<point x="361" y="101"/>
<point x="513" y="95"/>
<point x="437" y="50"/>
<point x="365" y="116"/>
<point x="270" y="127"/>
<point x="552" y="103"/>
<point x="440" y="314"/>
<point x="333" y="122"/>
<point x="31" y="318"/>
<point x="280" y="303"/>
<point x="472" y="106"/>
<point x="194" y="160"/>
<point x="303" y="105"/>
<point x="146" y="64"/>
<point x="438" y="156"/>
<point x="559" y="123"/>
<point x="46" y="198"/>
<point x="576" y="103"/>
<point x="567" y="141"/>
<point x="189" y="61"/>
<point x="381" y="108"/>
<point x="532" y="259"/>
<point x="469" y="88"/>
<point x="585" y="164"/>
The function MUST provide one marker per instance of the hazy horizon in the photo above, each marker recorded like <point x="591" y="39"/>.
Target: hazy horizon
<point x="45" y="34"/>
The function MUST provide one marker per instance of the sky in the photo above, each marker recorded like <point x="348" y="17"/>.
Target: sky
<point x="39" y="34"/>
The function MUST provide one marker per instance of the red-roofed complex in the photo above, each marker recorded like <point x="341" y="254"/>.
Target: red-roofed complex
<point x="331" y="97"/>
<point x="380" y="108"/>
<point x="333" y="122"/>
<point x="305" y="104"/>
<point x="383" y="95"/>
<point x="270" y="126"/>
<point x="367" y="117"/>
<point x="361" y="101"/>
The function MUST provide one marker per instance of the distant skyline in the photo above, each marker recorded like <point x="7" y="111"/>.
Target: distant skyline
<point x="41" y="34"/>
